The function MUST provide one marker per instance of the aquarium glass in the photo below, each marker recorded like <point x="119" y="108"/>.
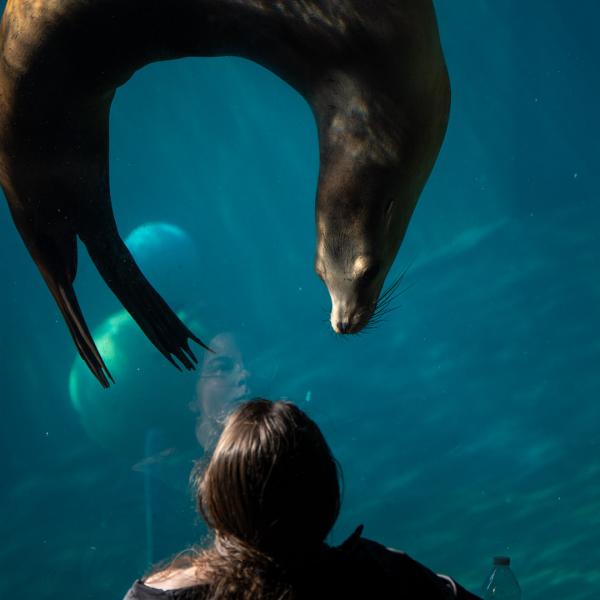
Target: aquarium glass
<point x="467" y="421"/>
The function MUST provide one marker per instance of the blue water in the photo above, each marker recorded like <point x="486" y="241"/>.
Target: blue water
<point x="466" y="423"/>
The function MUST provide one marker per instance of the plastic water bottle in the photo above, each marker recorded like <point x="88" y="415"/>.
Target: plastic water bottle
<point x="501" y="583"/>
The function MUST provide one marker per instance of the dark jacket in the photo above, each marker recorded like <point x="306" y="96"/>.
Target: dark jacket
<point x="362" y="569"/>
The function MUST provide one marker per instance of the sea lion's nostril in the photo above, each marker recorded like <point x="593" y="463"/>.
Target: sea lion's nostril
<point x="343" y="326"/>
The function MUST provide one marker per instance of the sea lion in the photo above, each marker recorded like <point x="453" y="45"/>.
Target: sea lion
<point x="372" y="70"/>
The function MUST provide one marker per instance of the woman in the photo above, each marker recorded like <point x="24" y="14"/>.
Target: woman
<point x="271" y="494"/>
<point x="223" y="383"/>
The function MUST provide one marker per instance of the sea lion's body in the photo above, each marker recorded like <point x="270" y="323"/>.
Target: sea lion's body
<point x="372" y="71"/>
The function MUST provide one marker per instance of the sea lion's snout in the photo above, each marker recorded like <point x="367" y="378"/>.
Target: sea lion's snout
<point x="345" y="320"/>
<point x="354" y="292"/>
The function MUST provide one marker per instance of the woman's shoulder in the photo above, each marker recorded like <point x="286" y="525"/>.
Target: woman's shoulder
<point x="387" y="572"/>
<point x="402" y="572"/>
<point x="172" y="584"/>
<point x="174" y="579"/>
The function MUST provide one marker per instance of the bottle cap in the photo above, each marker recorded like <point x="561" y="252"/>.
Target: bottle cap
<point x="502" y="560"/>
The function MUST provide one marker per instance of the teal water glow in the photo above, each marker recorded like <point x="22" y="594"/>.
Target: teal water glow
<point x="467" y="424"/>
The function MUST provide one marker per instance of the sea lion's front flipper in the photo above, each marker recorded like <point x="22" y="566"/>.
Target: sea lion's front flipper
<point x="120" y="271"/>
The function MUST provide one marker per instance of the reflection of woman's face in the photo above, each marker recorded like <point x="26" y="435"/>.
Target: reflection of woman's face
<point x="223" y="382"/>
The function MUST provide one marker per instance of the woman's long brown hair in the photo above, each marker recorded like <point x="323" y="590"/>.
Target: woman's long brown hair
<point x="271" y="494"/>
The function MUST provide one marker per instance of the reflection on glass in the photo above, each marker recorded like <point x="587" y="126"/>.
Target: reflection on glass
<point x="223" y="382"/>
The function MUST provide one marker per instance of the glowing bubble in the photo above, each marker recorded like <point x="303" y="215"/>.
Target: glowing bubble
<point x="169" y="259"/>
<point x="149" y="393"/>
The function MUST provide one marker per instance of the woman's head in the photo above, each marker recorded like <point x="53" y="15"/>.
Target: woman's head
<point x="272" y="483"/>
<point x="223" y="382"/>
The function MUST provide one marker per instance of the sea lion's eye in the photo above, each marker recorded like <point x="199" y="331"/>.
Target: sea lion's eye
<point x="370" y="273"/>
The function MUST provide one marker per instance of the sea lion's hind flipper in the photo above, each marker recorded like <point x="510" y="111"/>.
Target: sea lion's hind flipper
<point x="69" y="306"/>
<point x="155" y="317"/>
<point x="56" y="258"/>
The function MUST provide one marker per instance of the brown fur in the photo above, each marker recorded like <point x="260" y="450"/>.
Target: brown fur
<point x="372" y="71"/>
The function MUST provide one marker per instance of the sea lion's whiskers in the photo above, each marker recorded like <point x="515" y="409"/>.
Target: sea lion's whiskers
<point x="385" y="298"/>
<point x="389" y="295"/>
<point x="394" y="286"/>
<point x="384" y="308"/>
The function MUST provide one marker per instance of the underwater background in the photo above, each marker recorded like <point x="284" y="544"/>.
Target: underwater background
<point x="467" y="423"/>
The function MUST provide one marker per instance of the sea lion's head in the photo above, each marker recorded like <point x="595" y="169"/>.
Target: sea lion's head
<point x="358" y="235"/>
<point x="376" y="155"/>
